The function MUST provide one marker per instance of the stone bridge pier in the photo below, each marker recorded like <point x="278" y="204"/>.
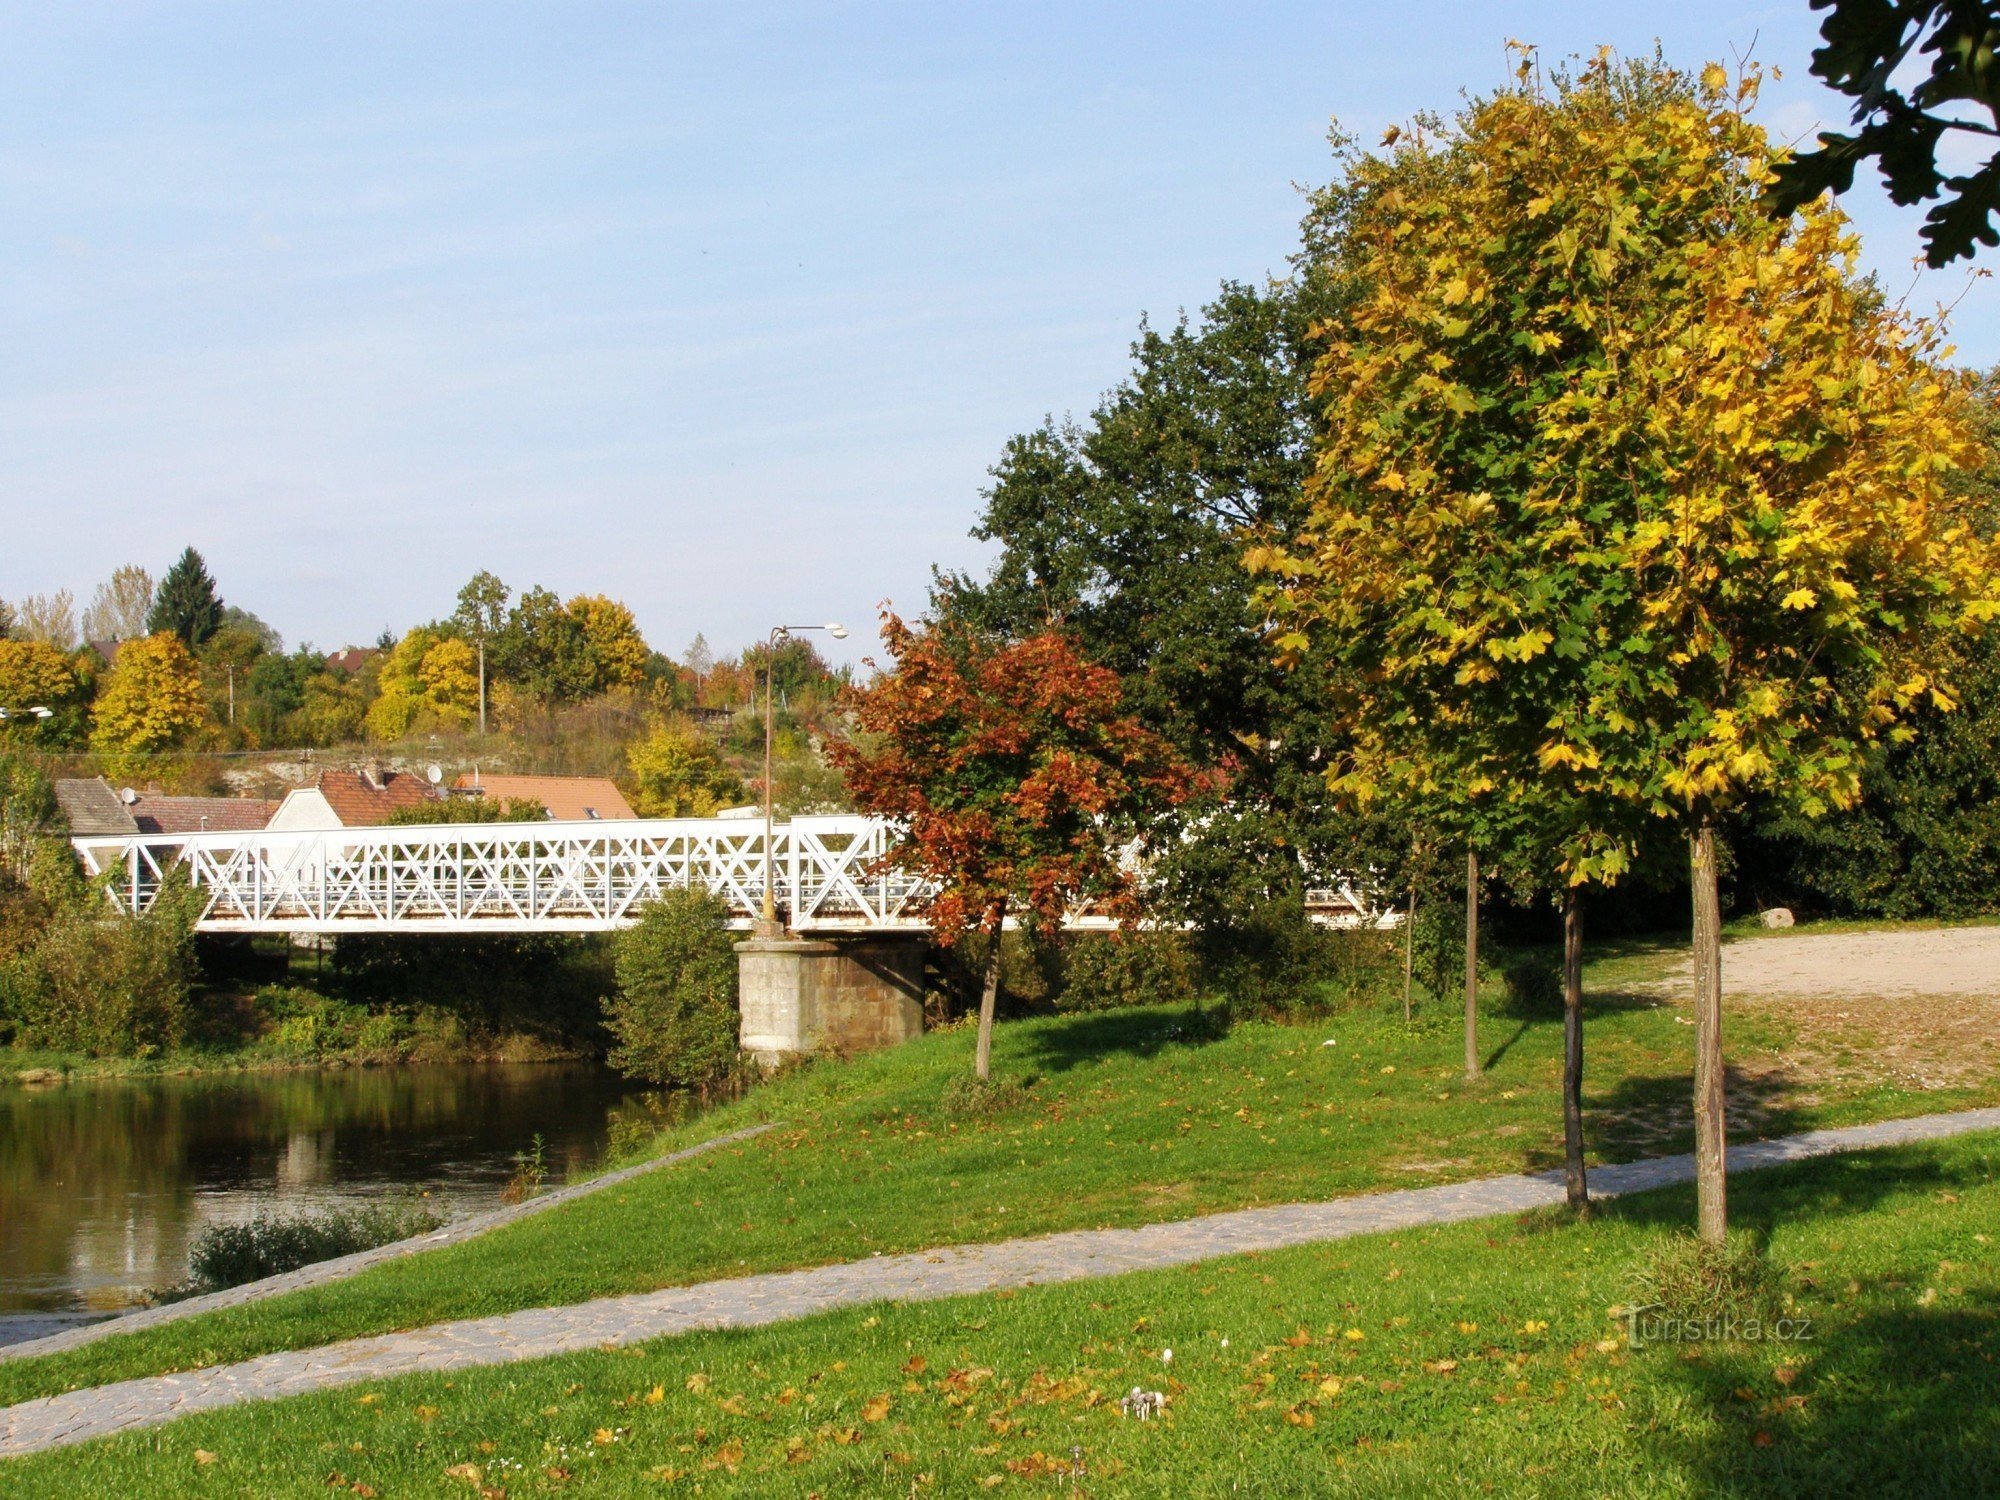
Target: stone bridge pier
<point x="802" y="995"/>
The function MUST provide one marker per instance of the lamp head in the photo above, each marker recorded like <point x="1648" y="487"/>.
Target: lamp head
<point x="838" y="632"/>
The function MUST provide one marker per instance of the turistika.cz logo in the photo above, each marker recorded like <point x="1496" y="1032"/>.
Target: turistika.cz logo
<point x="1652" y="1324"/>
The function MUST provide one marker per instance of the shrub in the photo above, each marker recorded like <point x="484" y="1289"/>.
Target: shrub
<point x="226" y="1255"/>
<point x="1275" y="962"/>
<point x="967" y="1097"/>
<point x="674" y="1013"/>
<point x="1689" y="1280"/>
<point x="103" y="985"/>
<point x="1126" y="968"/>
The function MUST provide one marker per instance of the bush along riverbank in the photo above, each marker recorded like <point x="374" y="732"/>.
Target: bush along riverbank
<point x="227" y="1255"/>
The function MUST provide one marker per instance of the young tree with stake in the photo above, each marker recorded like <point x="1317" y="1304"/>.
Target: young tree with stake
<point x="1019" y="773"/>
<point x="1632" y="500"/>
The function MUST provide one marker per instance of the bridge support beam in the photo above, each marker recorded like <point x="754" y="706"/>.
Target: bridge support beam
<point x="805" y="995"/>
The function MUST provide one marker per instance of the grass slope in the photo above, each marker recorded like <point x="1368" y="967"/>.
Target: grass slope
<point x="1481" y="1357"/>
<point x="1132" y="1116"/>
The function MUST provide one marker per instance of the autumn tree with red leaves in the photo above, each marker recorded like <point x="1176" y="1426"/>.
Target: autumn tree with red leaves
<point x="1019" y="774"/>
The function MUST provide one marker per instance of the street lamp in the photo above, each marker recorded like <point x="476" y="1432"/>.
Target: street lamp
<point x="36" y="712"/>
<point x="778" y="633"/>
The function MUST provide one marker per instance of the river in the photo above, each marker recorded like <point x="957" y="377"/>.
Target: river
<point x="104" y="1184"/>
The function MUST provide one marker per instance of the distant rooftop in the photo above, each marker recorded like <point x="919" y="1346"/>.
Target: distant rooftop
<point x="569" y="799"/>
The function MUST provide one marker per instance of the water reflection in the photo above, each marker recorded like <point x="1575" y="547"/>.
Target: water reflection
<point x="104" y="1185"/>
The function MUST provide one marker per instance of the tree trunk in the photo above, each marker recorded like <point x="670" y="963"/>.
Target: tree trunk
<point x="1471" y="965"/>
<point x="1409" y="948"/>
<point x="1573" y="1173"/>
<point x="1710" y="1168"/>
<point x="989" y="996"/>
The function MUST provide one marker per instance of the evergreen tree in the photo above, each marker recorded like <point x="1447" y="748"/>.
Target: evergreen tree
<point x="186" y="604"/>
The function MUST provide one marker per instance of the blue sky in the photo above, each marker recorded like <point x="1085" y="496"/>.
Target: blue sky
<point x="723" y="310"/>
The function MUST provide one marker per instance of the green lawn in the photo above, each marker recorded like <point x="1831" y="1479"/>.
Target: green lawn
<point x="1130" y="1117"/>
<point x="1482" y="1357"/>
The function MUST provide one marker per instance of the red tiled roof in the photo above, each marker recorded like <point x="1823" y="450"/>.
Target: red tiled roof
<point x="156" y="814"/>
<point x="358" y="804"/>
<point x="569" y="799"/>
<point x="350" y="660"/>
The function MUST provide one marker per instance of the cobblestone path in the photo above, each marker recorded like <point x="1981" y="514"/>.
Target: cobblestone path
<point x="748" y="1301"/>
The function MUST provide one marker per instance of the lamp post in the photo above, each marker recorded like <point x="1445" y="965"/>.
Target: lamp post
<point x="778" y="633"/>
<point x="38" y="711"/>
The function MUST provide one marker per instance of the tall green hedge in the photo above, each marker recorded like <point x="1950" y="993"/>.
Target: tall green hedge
<point x="674" y="1014"/>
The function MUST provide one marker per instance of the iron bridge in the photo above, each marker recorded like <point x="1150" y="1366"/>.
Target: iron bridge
<point x="829" y="873"/>
<point x="513" y="877"/>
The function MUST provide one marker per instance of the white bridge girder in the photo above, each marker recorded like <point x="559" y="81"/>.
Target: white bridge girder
<point x="552" y="877"/>
<point x="514" y="877"/>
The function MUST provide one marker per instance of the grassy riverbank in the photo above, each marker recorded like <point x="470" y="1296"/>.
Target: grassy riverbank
<point x="1488" y="1356"/>
<point x="1117" y="1118"/>
<point x="31" y="1067"/>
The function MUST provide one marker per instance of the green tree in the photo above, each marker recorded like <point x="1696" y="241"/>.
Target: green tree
<point x="481" y="614"/>
<point x="544" y="650"/>
<point x="674" y="1014"/>
<point x="186" y="604"/>
<point x="677" y="773"/>
<point x="1632" y="502"/>
<point x="1129" y="528"/>
<point x="455" y="808"/>
<point x="1866" y="48"/>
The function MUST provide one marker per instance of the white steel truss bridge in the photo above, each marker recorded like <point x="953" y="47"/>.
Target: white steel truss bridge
<point x="554" y="877"/>
<point x="513" y="877"/>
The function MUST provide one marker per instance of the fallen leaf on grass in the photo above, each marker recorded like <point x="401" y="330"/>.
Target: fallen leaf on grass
<point x="876" y="1409"/>
<point x="203" y="1456"/>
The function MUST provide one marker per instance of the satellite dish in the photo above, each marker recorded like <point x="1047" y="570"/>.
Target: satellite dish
<point x="128" y="796"/>
<point x="434" y="774"/>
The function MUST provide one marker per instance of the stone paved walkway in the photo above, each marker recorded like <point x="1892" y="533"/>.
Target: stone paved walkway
<point x="342" y="1267"/>
<point x="748" y="1301"/>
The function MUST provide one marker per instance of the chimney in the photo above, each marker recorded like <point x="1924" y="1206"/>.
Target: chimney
<point x="371" y="772"/>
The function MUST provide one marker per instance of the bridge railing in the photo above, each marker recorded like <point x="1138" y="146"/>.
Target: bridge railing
<point x="512" y="877"/>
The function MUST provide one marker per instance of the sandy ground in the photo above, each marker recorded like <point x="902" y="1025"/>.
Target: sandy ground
<point x="1917" y="1005"/>
<point x="1866" y="965"/>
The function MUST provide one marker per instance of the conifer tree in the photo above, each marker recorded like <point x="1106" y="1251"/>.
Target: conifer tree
<point x="186" y="604"/>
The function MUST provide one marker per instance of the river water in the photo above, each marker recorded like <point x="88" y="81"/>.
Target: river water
<point x="105" y="1184"/>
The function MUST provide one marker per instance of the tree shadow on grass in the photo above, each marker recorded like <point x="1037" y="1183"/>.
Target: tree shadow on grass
<point x="1904" y="1401"/>
<point x="1759" y="1202"/>
<point x="1142" y="1033"/>
<point x="1652" y="1114"/>
<point x="1493" y="1057"/>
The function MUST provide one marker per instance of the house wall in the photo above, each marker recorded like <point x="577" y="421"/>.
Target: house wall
<point x="304" y="808"/>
